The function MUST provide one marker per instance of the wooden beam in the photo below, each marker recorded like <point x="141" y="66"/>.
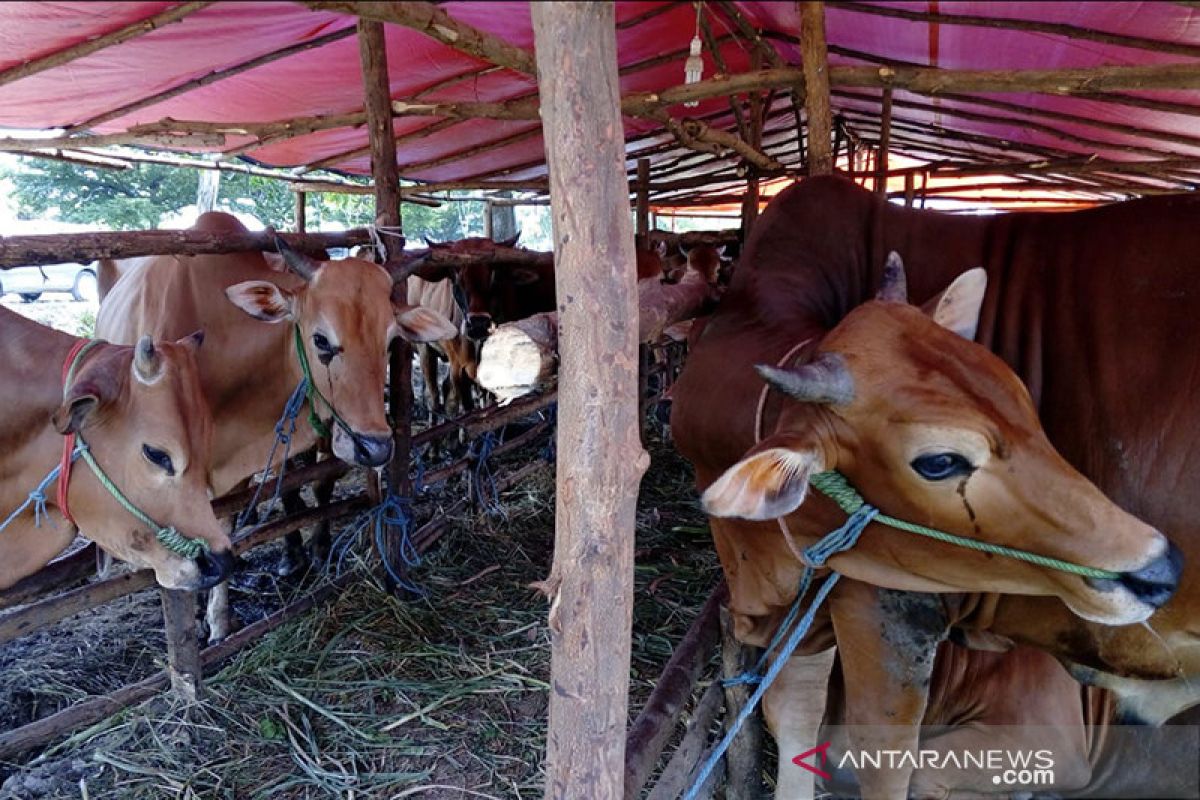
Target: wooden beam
<point x="1030" y="25"/>
<point x="437" y="24"/>
<point x="79" y="157"/>
<point x="600" y="458"/>
<point x="815" y="59"/>
<point x="59" y="248"/>
<point x="643" y="197"/>
<point x="14" y="144"/>
<point x="212" y="77"/>
<point x="89" y="46"/>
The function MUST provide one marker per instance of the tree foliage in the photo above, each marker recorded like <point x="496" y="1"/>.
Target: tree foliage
<point x="140" y="197"/>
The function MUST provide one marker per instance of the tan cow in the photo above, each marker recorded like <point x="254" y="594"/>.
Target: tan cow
<point x="340" y="312"/>
<point x="142" y="415"/>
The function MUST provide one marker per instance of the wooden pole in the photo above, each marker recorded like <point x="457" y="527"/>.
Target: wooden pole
<point x="743" y="759"/>
<point x="372" y="51"/>
<point x="885" y="141"/>
<point x="816" y="86"/>
<point x="643" y="197"/>
<point x="183" y="648"/>
<point x="600" y="460"/>
<point x="301" y="211"/>
<point x="910" y="189"/>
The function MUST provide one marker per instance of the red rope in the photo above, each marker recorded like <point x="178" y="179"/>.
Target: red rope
<point x="64" y="467"/>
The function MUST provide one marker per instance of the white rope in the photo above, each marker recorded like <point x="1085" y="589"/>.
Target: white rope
<point x="377" y="232"/>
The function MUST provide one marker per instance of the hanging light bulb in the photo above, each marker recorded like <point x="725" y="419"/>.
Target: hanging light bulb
<point x="693" y="68"/>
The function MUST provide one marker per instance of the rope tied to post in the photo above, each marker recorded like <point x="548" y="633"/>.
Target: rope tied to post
<point x="394" y="512"/>
<point x="483" y="482"/>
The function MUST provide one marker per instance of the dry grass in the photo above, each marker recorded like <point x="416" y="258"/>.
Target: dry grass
<point x="443" y="697"/>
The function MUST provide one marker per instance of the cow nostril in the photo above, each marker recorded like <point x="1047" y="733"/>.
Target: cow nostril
<point x="372" y="451"/>
<point x="1155" y="583"/>
<point x="214" y="567"/>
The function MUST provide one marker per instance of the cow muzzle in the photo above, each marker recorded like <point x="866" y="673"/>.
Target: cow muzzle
<point x="214" y="567"/>
<point x="371" y="451"/>
<point x="478" y="326"/>
<point x="1155" y="583"/>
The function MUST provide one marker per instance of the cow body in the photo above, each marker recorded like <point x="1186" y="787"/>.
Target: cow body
<point x="1095" y="311"/>
<point x="130" y="405"/>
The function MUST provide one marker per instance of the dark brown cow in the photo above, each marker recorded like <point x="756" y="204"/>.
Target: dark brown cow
<point x="479" y="295"/>
<point x="1081" y="306"/>
<point x="707" y="259"/>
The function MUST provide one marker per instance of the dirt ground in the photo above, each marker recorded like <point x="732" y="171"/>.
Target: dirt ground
<point x="368" y="696"/>
<point x="56" y="310"/>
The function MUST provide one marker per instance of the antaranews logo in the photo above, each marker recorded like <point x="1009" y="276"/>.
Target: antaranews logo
<point x="1014" y="768"/>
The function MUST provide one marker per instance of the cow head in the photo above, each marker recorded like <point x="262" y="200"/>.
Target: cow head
<point x="477" y="284"/>
<point x="347" y="319"/>
<point x="705" y="259"/>
<point x="142" y="413"/>
<point x="935" y="429"/>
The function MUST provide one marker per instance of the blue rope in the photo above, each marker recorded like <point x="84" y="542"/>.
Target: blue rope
<point x="483" y="482"/>
<point x="285" y="429"/>
<point x="393" y="512"/>
<point x="815" y="556"/>
<point x="37" y="498"/>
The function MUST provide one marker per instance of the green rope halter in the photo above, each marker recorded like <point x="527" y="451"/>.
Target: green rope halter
<point x="170" y="538"/>
<point x="834" y="485"/>
<point x="313" y="393"/>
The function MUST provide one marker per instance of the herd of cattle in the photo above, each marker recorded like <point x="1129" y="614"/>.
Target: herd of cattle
<point x="1038" y="395"/>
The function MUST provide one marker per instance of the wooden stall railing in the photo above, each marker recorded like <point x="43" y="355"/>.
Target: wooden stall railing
<point x="34" y="603"/>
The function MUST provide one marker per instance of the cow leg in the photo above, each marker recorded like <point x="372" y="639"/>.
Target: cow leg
<point x="294" y="557"/>
<point x="322" y="538"/>
<point x="887" y="642"/>
<point x="794" y="707"/>
<point x="217" y="614"/>
<point x="429" y="374"/>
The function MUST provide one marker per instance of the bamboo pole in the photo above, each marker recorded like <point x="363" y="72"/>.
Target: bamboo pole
<point x="816" y="86"/>
<point x="600" y="460"/>
<point x="58" y="248"/>
<point x="89" y="46"/>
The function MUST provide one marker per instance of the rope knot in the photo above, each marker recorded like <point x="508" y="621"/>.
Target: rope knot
<point x="834" y="485"/>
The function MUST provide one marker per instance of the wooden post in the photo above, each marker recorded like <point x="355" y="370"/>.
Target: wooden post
<point x="743" y="759"/>
<point x="643" y="199"/>
<point x="183" y="648"/>
<point x="816" y="86"/>
<point x="301" y="211"/>
<point x="885" y="142"/>
<point x="600" y="460"/>
<point x="372" y="51"/>
<point x="910" y="189"/>
<point x="487" y="219"/>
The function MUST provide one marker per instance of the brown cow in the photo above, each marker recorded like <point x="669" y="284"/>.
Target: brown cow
<point x="144" y="420"/>
<point x="707" y="259"/>
<point x="802" y="280"/>
<point x="341" y="312"/>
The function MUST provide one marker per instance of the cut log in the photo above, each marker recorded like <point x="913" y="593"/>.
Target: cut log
<point x="522" y="357"/>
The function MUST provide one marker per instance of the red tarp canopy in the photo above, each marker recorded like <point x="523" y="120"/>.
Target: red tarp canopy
<point x="326" y="80"/>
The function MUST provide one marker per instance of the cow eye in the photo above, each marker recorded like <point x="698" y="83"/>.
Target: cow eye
<point x="158" y="458"/>
<point x="940" y="466"/>
<point x="325" y="349"/>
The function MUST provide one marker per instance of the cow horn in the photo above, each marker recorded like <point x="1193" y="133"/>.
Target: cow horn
<point x="510" y="241"/>
<point x="297" y="262"/>
<point x="432" y="244"/>
<point x="147" y="365"/>
<point x="894" y="287"/>
<point x="823" y="380"/>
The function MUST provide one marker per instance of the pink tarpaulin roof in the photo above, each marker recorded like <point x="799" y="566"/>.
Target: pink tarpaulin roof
<point x="326" y="79"/>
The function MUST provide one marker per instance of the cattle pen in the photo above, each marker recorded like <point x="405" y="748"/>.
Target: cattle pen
<point x="604" y="650"/>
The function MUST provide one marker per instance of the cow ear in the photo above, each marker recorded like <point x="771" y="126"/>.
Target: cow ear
<point x="770" y="482"/>
<point x="82" y="398"/>
<point x="959" y="306"/>
<point x="262" y="300"/>
<point x="420" y="324"/>
<point x="523" y="276"/>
